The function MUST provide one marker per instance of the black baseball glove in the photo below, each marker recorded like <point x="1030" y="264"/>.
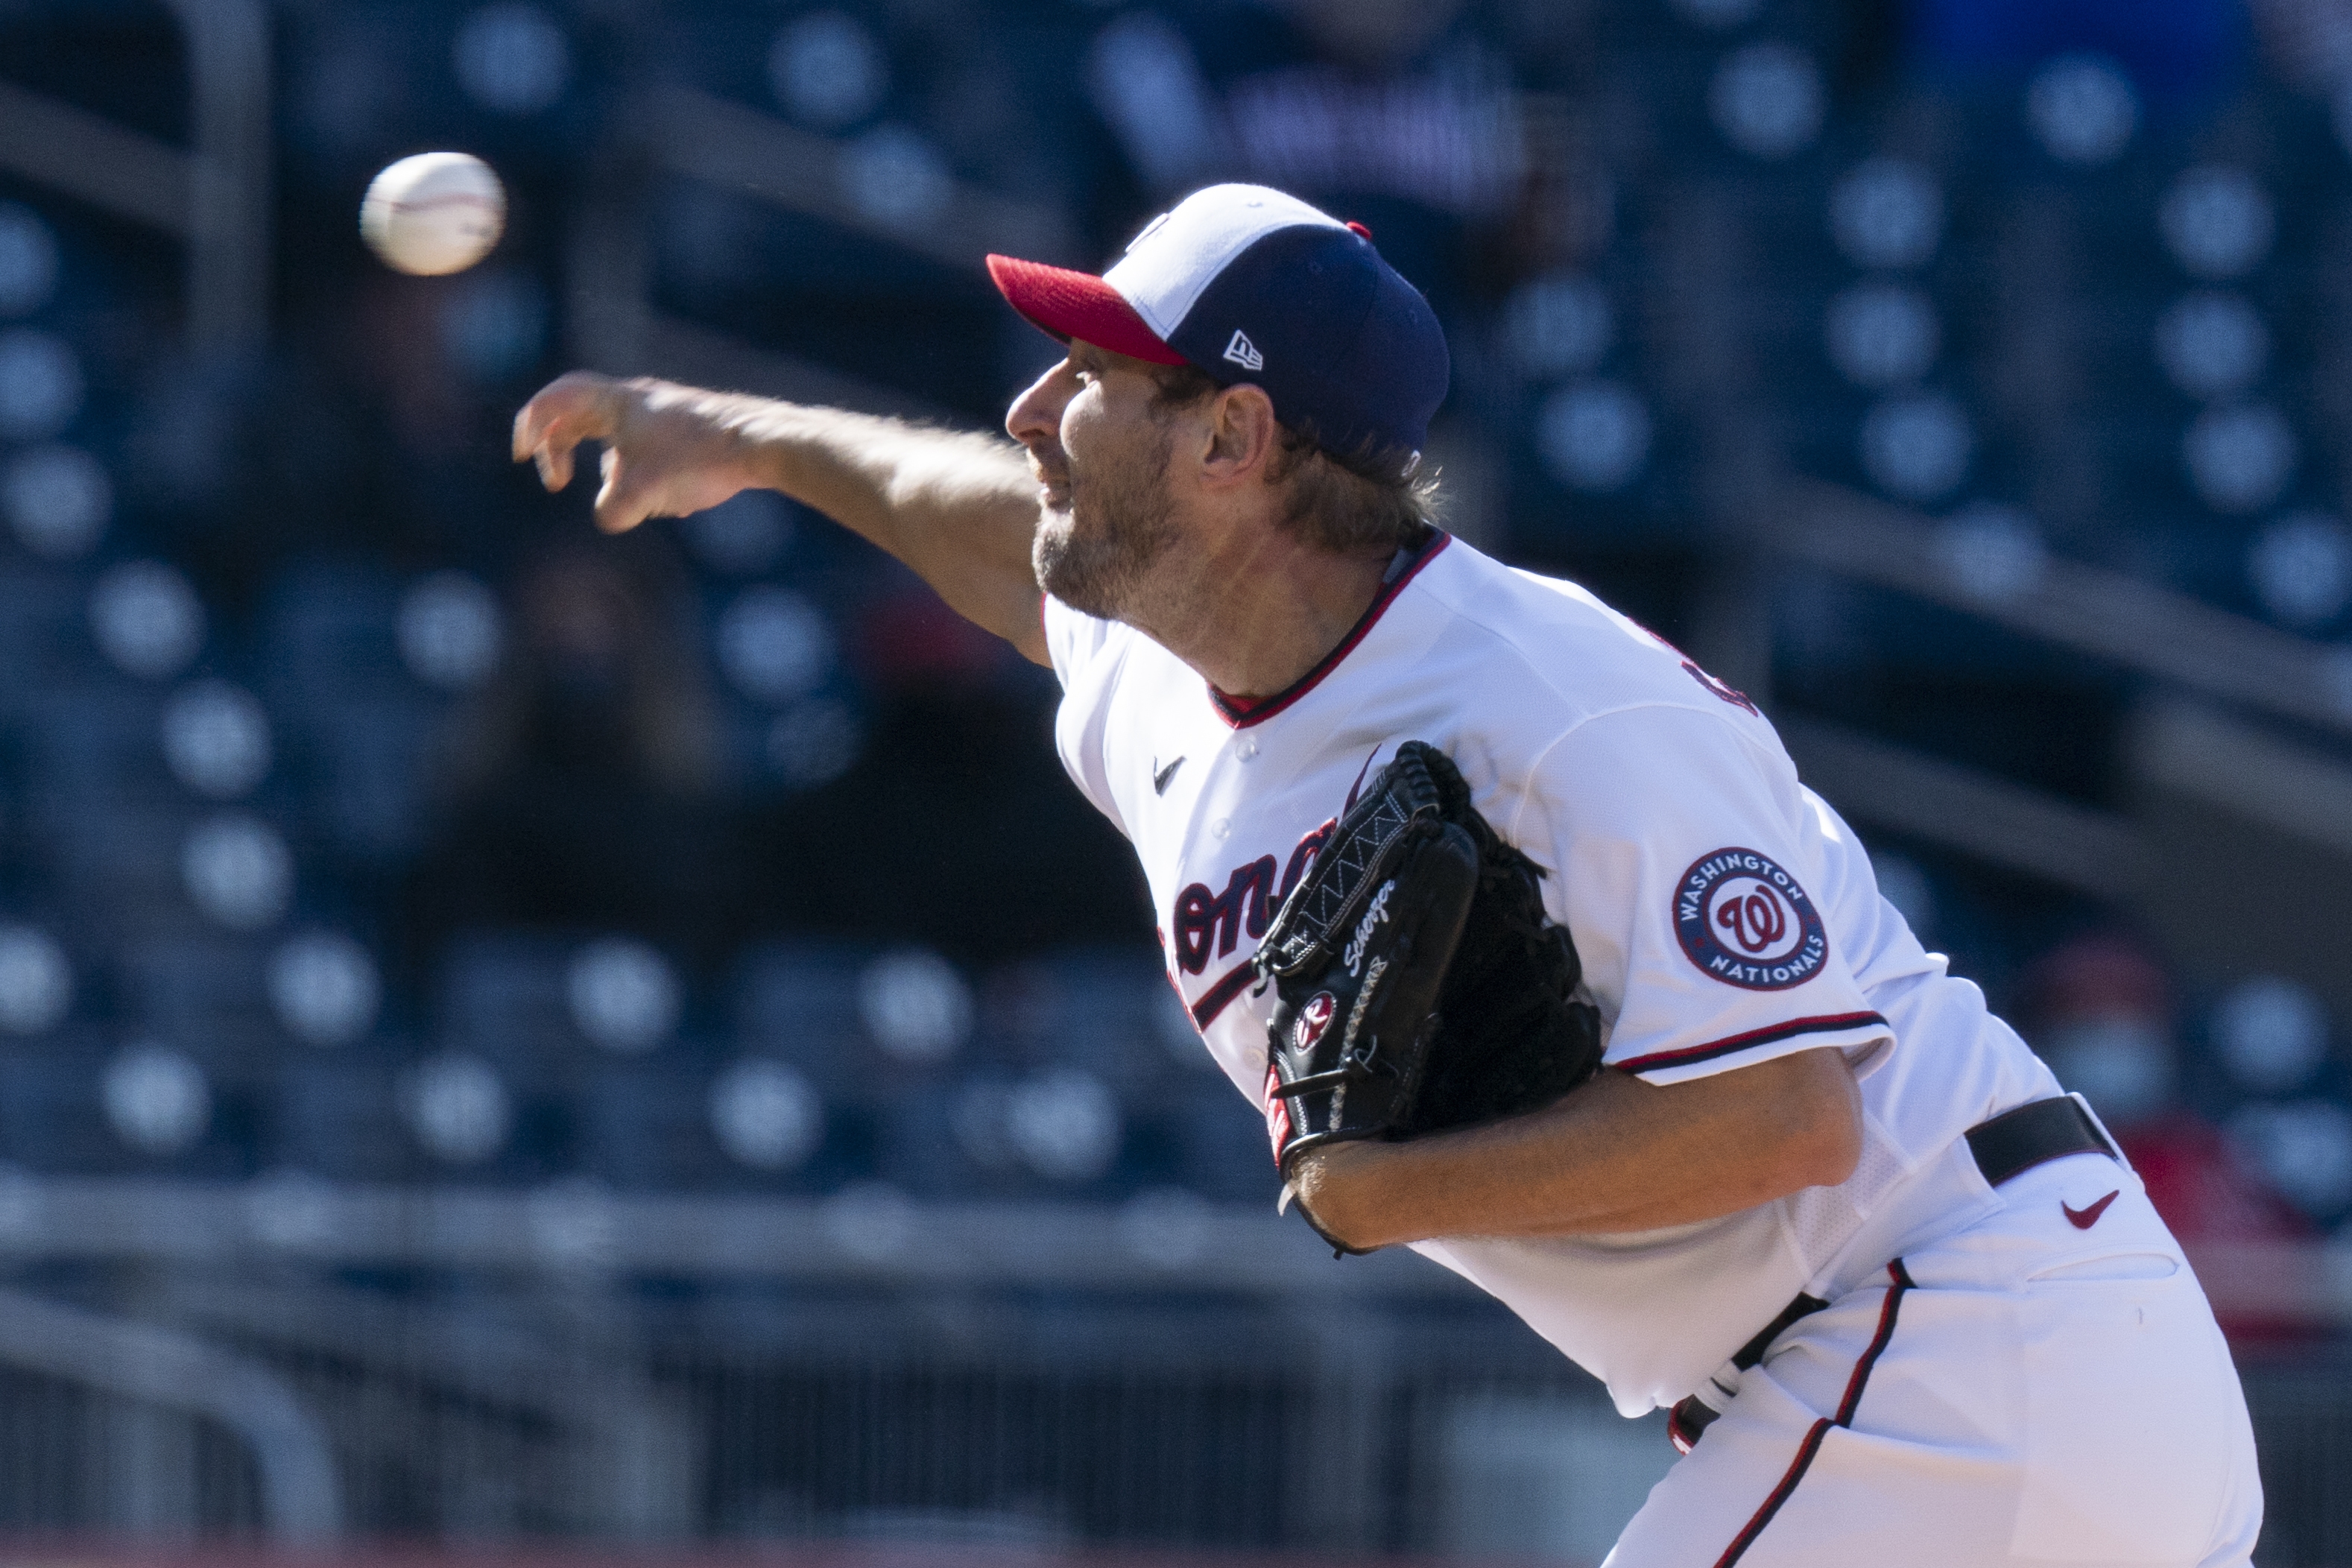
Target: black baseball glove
<point x="1418" y="985"/>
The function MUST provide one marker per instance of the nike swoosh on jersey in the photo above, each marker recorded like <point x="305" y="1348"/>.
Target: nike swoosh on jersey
<point x="1358" y="784"/>
<point x="1160" y="777"/>
<point x="2085" y="1218"/>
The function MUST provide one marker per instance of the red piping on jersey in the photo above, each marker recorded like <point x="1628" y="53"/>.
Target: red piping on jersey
<point x="1763" y="1515"/>
<point x="1241" y="712"/>
<point x="1898" y="1281"/>
<point x="1687" y="1055"/>
<point x="1218" y="997"/>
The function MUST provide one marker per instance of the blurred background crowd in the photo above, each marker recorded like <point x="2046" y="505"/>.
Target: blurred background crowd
<point x="1963" y="379"/>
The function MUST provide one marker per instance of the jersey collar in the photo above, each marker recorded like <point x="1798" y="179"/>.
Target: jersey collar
<point x="1242" y="712"/>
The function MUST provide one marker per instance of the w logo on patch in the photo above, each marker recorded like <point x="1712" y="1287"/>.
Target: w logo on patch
<point x="1244" y="352"/>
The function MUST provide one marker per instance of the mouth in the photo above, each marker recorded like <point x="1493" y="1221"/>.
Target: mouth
<point x="1048" y="464"/>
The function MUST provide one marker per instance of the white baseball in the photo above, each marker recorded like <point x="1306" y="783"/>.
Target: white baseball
<point x="435" y="213"/>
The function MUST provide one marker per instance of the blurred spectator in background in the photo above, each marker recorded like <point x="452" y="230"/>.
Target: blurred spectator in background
<point x="1400" y="115"/>
<point x="2099" y="1010"/>
<point x="956" y="826"/>
<point x="431" y="410"/>
<point x="2175" y="46"/>
<point x="581" y="785"/>
<point x="2308" y="42"/>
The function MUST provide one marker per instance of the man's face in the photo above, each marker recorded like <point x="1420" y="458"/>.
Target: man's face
<point x="1101" y="449"/>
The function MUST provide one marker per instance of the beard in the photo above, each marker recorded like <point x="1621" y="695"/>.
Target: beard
<point x="1095" y="553"/>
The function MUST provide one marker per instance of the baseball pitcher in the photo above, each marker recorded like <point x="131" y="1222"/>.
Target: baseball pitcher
<point x="1517" y="926"/>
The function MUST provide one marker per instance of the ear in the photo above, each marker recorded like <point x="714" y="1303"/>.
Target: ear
<point x="1242" y="436"/>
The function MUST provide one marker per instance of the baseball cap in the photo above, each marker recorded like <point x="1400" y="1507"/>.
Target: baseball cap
<point x="1250" y="284"/>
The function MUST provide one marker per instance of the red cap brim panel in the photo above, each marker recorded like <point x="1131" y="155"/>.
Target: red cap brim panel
<point x="1078" y="305"/>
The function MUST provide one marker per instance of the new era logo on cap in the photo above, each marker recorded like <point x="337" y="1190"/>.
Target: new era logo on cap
<point x="1345" y="347"/>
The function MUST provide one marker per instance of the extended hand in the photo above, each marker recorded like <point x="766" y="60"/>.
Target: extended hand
<point x="668" y="449"/>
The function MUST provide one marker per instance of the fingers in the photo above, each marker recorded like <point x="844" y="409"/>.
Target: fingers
<point x="576" y="399"/>
<point x="580" y="407"/>
<point x="620" y="506"/>
<point x="665" y="473"/>
<point x="548" y="444"/>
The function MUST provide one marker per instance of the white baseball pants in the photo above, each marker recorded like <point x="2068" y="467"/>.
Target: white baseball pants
<point x="2032" y="1390"/>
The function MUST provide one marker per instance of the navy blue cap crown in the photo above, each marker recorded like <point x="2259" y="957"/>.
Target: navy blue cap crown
<point x="1252" y="285"/>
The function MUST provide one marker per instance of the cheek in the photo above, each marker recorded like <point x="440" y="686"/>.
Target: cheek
<point x="1102" y="422"/>
<point x="1080" y="422"/>
<point x="1104" y="447"/>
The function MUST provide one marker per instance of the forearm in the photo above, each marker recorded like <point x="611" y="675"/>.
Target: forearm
<point x="1617" y="1156"/>
<point x="959" y="507"/>
<point x="913" y="490"/>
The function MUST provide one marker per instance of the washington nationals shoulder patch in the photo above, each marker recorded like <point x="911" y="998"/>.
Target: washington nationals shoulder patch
<point x="1744" y="921"/>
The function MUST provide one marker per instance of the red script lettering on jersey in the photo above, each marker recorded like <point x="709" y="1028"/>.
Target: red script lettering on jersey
<point x="1207" y="925"/>
<point x="1723" y="690"/>
<point x="1730" y="694"/>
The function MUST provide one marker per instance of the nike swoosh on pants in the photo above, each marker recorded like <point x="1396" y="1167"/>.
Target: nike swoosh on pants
<point x="2085" y="1218"/>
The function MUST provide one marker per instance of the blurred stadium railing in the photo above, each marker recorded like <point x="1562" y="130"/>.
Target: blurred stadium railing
<point x="214" y="194"/>
<point x="2238" y="821"/>
<point x="587" y="1364"/>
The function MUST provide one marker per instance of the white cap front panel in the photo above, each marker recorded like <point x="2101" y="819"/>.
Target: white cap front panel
<point x="1170" y="263"/>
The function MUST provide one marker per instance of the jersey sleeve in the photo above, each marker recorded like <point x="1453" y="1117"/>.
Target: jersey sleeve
<point x="1682" y="858"/>
<point x="1088" y="654"/>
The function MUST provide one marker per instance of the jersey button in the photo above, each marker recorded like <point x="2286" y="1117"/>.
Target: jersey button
<point x="1221" y="828"/>
<point x="1246" y="749"/>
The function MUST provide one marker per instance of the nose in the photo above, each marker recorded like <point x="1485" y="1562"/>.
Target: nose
<point x="1037" y="414"/>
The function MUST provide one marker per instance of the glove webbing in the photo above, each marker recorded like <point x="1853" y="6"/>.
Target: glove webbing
<point x="1504" y="1045"/>
<point x="1330" y="905"/>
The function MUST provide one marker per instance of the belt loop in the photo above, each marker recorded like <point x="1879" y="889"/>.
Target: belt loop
<point x="2115" y="1148"/>
<point x="1694" y="1414"/>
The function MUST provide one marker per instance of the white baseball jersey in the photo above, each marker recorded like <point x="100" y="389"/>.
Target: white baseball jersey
<point x="1724" y="914"/>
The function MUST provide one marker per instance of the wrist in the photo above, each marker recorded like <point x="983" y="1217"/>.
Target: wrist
<point x="739" y="441"/>
<point x="1336" y="1185"/>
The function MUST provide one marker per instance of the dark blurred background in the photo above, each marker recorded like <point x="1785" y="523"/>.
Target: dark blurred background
<point x="507" y="1034"/>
